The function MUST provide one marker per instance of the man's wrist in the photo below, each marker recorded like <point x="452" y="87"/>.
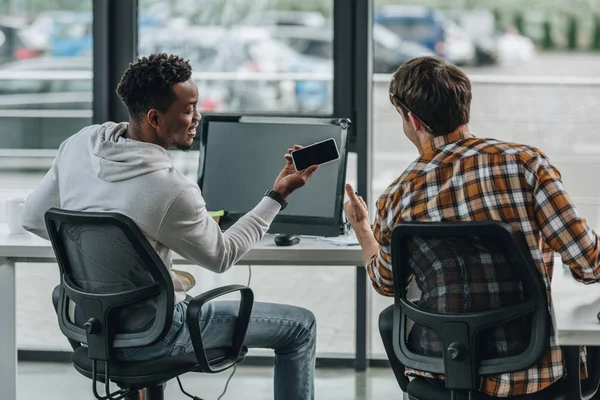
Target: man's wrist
<point x="283" y="192"/>
<point x="275" y="195"/>
<point x="366" y="239"/>
<point x="363" y="229"/>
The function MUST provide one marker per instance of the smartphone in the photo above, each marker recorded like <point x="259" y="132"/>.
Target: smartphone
<point x="316" y="154"/>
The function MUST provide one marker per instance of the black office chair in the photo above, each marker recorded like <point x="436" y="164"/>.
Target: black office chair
<point x="115" y="292"/>
<point x="463" y="344"/>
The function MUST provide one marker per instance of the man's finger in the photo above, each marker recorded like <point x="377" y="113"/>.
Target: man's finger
<point x="362" y="201"/>
<point x="310" y="170"/>
<point x="351" y="193"/>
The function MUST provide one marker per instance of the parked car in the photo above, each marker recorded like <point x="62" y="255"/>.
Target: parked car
<point x="389" y="51"/>
<point x="38" y="32"/>
<point x="228" y="57"/>
<point x="71" y="34"/>
<point x="514" y="49"/>
<point x="459" y="48"/>
<point x="415" y="24"/>
<point x="480" y="25"/>
<point x="13" y="44"/>
<point x="266" y="18"/>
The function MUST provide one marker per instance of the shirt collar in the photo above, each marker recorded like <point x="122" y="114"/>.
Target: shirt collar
<point x="440" y="141"/>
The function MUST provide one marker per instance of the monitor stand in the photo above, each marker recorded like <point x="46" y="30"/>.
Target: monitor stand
<point x="286" y="240"/>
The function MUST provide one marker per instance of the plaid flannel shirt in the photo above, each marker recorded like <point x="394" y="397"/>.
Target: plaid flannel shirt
<point x="461" y="178"/>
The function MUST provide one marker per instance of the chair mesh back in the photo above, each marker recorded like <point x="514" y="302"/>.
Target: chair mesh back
<point x="101" y="260"/>
<point x="466" y="274"/>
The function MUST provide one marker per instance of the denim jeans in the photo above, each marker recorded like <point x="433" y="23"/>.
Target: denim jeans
<point x="289" y="330"/>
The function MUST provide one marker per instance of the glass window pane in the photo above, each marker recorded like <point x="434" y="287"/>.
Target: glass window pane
<point x="45" y="75"/>
<point x="260" y="57"/>
<point x="45" y="97"/>
<point x="248" y="57"/>
<point x="528" y="86"/>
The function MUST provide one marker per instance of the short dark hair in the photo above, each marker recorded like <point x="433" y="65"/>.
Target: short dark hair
<point x="148" y="83"/>
<point x="437" y="93"/>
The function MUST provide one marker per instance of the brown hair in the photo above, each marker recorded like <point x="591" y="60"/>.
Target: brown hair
<point x="436" y="93"/>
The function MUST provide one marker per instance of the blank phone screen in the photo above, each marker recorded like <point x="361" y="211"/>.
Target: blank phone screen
<point x="316" y="154"/>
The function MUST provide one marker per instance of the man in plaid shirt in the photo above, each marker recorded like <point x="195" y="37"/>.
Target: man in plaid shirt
<point x="460" y="177"/>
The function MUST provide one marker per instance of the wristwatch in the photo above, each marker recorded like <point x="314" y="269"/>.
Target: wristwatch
<point x="277" y="197"/>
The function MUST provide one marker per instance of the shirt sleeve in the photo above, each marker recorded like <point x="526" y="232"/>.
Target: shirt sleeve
<point x="379" y="267"/>
<point x="189" y="230"/>
<point x="560" y="224"/>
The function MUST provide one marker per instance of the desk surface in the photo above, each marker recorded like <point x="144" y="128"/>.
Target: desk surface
<point x="309" y="251"/>
<point x="575" y="305"/>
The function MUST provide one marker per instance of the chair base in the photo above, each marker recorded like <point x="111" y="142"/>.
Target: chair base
<point x="155" y="392"/>
<point x="150" y="376"/>
<point x="140" y="375"/>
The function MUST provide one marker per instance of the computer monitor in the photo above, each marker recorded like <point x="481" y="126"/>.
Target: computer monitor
<point x="240" y="157"/>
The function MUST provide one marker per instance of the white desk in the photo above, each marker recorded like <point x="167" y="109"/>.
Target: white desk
<point x="29" y="248"/>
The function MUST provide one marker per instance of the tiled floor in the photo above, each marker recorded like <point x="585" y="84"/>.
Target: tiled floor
<point x="62" y="382"/>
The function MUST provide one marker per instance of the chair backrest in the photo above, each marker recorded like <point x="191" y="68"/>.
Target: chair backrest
<point x="110" y="271"/>
<point x="483" y="308"/>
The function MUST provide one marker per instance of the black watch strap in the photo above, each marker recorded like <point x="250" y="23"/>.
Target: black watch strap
<point x="277" y="197"/>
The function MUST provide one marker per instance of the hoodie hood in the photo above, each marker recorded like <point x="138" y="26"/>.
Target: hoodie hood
<point x="117" y="158"/>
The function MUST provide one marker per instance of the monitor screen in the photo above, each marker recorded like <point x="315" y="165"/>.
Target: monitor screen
<point x="242" y="156"/>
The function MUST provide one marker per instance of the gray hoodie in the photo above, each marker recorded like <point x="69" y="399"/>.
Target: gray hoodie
<point x="98" y="169"/>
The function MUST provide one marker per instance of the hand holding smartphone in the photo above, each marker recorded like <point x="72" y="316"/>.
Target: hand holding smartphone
<point x="316" y="154"/>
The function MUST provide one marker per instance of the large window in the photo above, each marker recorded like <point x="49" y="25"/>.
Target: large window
<point x="45" y="74"/>
<point x="533" y="73"/>
<point x="45" y="97"/>
<point x="533" y="70"/>
<point x="248" y="56"/>
<point x="262" y="57"/>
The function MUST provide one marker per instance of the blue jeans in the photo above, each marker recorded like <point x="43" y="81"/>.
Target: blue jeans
<point x="289" y="330"/>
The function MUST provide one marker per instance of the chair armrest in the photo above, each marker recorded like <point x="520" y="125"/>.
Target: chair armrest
<point x="572" y="360"/>
<point x="55" y="297"/>
<point x="571" y="357"/>
<point x="239" y="333"/>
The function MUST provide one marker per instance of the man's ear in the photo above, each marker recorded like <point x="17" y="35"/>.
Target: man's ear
<point x="414" y="121"/>
<point x="152" y="117"/>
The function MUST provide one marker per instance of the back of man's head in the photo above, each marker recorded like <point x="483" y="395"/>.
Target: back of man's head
<point x="437" y="93"/>
<point x="148" y="83"/>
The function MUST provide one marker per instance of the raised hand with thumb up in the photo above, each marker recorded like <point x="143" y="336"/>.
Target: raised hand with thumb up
<point x="356" y="209"/>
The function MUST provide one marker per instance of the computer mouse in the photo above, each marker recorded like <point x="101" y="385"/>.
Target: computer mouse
<point x="286" y="240"/>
